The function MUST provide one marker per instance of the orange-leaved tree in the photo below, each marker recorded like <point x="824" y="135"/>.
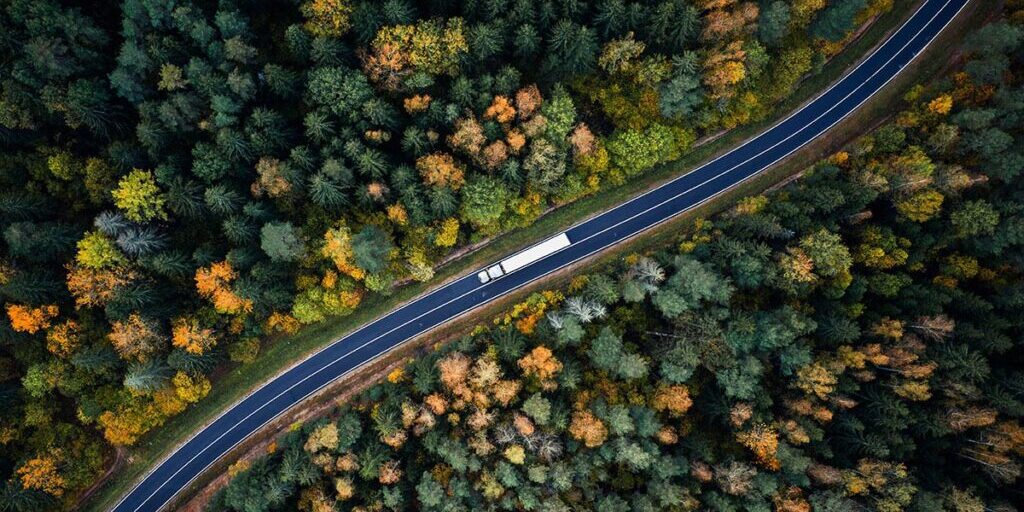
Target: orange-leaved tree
<point x="30" y="320"/>
<point x="188" y="335"/>
<point x="214" y="283"/>
<point x="43" y="473"/>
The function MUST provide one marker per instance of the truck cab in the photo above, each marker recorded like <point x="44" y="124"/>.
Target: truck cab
<point x="495" y="271"/>
<point x="492" y="272"/>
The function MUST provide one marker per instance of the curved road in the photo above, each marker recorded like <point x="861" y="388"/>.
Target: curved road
<point x="234" y="425"/>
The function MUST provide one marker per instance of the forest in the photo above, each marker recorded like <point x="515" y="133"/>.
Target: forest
<point x="181" y="180"/>
<point x="851" y="341"/>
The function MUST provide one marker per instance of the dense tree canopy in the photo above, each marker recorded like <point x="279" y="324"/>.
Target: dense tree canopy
<point x="182" y="179"/>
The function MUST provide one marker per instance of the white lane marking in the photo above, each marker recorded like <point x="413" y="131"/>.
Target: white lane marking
<point x="804" y="127"/>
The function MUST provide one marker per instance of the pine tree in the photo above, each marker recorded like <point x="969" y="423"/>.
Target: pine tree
<point x="22" y="206"/>
<point x="326" y="192"/>
<point x="89" y="103"/>
<point x="111" y="223"/>
<point x="240" y="229"/>
<point x="571" y="50"/>
<point x="147" y="377"/>
<point x="172" y="263"/>
<point x="140" y="241"/>
<point x="526" y="42"/>
<point x="318" y="126"/>
<point x="222" y="200"/>
<point x="39" y="241"/>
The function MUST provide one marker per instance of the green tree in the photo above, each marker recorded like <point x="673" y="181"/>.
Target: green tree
<point x="148" y="376"/>
<point x="281" y="241"/>
<point x="341" y="91"/>
<point x="836" y="19"/>
<point x="683" y="92"/>
<point x="484" y="200"/>
<point x="371" y="249"/>
<point x="429" y="492"/>
<point x="773" y="25"/>
<point x="606" y="350"/>
<point x="538" y="408"/>
<point x="672" y="26"/>
<point x="973" y="218"/>
<point x="39" y="241"/>
<point x="571" y="50"/>
<point x="635" y="151"/>
<point x="826" y="249"/>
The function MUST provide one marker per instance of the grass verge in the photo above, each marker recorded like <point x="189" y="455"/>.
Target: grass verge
<point x="282" y="352"/>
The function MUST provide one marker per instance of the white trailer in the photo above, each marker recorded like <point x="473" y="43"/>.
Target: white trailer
<point x="525" y="257"/>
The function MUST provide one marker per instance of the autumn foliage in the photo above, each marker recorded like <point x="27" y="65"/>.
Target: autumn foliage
<point x="43" y="474"/>
<point x="30" y="320"/>
<point x="214" y="283"/>
<point x="187" y="334"/>
<point x="440" y="169"/>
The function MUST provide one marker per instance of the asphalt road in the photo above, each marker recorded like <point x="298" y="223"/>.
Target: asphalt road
<point x="234" y="425"/>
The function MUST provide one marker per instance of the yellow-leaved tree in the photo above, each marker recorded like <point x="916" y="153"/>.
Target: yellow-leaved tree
<point x="330" y="18"/>
<point x="139" y="197"/>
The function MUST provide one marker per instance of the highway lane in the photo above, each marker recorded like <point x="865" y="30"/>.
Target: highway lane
<point x="235" y="424"/>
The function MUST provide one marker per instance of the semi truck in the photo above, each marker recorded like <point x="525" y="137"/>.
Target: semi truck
<point x="524" y="257"/>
